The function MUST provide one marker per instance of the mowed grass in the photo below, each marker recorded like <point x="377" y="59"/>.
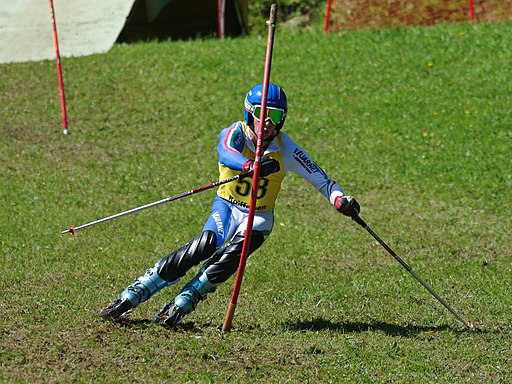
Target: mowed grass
<point x="416" y="123"/>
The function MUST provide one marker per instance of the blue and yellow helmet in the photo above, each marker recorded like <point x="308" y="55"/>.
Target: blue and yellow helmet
<point x="276" y="98"/>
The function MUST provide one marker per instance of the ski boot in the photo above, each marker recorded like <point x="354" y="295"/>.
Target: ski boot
<point x="142" y="289"/>
<point x="173" y="312"/>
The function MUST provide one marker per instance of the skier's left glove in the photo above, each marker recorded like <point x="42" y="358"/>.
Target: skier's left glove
<point x="347" y="205"/>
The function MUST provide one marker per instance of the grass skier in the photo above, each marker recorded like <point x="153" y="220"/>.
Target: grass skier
<point x="219" y="245"/>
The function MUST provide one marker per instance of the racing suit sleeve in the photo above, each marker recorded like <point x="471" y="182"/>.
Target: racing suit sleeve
<point x="230" y="146"/>
<point x="296" y="160"/>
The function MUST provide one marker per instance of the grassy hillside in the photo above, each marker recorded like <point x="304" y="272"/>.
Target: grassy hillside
<point x="415" y="123"/>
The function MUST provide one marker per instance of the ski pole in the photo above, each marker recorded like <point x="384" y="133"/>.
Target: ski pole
<point x="73" y="229"/>
<point x="362" y="223"/>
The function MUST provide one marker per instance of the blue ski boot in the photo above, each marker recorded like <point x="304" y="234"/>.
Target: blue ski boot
<point x="142" y="289"/>
<point x="174" y="312"/>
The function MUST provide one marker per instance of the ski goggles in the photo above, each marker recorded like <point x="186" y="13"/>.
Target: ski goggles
<point x="276" y="115"/>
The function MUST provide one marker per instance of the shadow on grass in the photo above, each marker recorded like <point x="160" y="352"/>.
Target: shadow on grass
<point x="315" y="325"/>
<point x="320" y="324"/>
<point x="142" y="324"/>
<point x="134" y="323"/>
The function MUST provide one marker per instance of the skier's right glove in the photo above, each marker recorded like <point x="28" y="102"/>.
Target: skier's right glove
<point x="347" y="205"/>
<point x="268" y="165"/>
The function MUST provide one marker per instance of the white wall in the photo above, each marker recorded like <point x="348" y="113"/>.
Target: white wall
<point x="84" y="27"/>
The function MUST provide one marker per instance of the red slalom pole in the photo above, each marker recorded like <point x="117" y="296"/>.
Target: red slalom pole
<point x="327" y="16"/>
<point x="221" y="6"/>
<point x="472" y="11"/>
<point x="255" y="178"/>
<point x="59" y="71"/>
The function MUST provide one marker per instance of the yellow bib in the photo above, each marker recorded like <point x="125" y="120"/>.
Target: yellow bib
<point x="239" y="192"/>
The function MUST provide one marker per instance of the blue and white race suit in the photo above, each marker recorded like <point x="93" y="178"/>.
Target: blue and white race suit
<point x="230" y="208"/>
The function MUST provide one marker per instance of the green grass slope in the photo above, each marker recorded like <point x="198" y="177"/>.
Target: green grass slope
<point x="416" y="123"/>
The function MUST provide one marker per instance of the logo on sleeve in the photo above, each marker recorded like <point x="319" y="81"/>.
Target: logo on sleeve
<point x="304" y="160"/>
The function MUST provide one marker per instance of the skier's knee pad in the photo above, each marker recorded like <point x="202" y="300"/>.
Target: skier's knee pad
<point x="177" y="263"/>
<point x="226" y="261"/>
